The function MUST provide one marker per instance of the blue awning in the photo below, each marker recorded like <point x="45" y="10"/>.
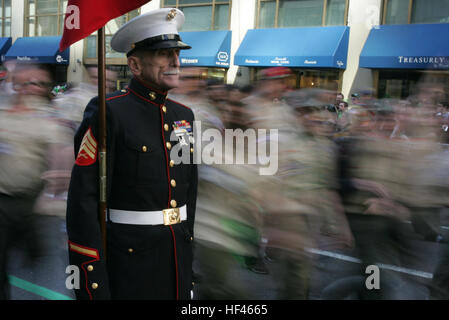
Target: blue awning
<point x="411" y="46"/>
<point x="5" y="44"/>
<point x="209" y="49"/>
<point x="39" y="50"/>
<point x="316" y="47"/>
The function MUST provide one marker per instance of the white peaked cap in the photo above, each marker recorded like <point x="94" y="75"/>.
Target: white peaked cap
<point x="153" y="30"/>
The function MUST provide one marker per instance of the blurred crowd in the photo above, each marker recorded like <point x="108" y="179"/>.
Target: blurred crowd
<point x="38" y="121"/>
<point x="352" y="174"/>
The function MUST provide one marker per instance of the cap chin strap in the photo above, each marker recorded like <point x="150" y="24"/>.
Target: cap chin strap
<point x="148" y="42"/>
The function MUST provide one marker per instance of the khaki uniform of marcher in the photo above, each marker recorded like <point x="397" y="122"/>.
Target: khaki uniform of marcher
<point x="225" y="222"/>
<point x="71" y="105"/>
<point x="429" y="202"/>
<point x="379" y="172"/>
<point x="285" y="218"/>
<point x="25" y="140"/>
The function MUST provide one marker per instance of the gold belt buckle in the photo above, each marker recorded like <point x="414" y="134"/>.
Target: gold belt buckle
<point x="171" y="216"/>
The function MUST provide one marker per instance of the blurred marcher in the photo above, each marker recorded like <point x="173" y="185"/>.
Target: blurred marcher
<point x="340" y="97"/>
<point x="224" y="221"/>
<point x="267" y="110"/>
<point x="430" y="184"/>
<point x="216" y="92"/>
<point x="111" y="78"/>
<point x="343" y="116"/>
<point x="71" y="104"/>
<point x="362" y="97"/>
<point x="225" y="229"/>
<point x="3" y="82"/>
<point x="6" y="84"/>
<point x="191" y="88"/>
<point x="27" y="133"/>
<point x="427" y="93"/>
<point x="246" y="91"/>
<point x="376" y="186"/>
<point x="236" y="113"/>
<point x="300" y="191"/>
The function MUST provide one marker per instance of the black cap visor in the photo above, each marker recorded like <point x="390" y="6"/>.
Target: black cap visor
<point x="160" y="42"/>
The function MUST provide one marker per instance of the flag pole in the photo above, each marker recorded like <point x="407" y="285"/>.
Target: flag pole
<point x="102" y="134"/>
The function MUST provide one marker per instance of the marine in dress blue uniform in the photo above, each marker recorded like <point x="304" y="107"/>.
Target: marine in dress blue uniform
<point x="151" y="197"/>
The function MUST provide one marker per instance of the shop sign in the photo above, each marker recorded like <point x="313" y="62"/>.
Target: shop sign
<point x="60" y="59"/>
<point x="252" y="61"/>
<point x="280" y="61"/>
<point x="25" y="58"/>
<point x="189" y="61"/>
<point x="423" y="60"/>
<point x="223" y="58"/>
<point x="310" y="61"/>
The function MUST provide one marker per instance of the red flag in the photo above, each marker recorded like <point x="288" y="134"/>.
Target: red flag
<point x="86" y="16"/>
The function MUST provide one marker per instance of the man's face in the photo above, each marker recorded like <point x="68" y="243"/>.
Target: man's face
<point x="160" y="68"/>
<point x="32" y="82"/>
<point x="273" y="87"/>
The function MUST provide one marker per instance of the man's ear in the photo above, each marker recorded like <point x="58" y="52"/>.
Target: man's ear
<point x="135" y="65"/>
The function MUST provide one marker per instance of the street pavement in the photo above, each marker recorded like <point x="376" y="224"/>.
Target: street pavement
<point x="45" y="278"/>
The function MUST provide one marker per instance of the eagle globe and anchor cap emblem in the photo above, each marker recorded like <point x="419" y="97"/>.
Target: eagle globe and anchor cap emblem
<point x="171" y="15"/>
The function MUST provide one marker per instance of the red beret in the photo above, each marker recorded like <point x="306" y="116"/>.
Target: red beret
<point x="274" y="73"/>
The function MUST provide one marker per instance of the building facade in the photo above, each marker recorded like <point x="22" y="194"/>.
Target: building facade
<point x="327" y="43"/>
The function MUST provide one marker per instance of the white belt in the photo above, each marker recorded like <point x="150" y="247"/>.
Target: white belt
<point x="166" y="216"/>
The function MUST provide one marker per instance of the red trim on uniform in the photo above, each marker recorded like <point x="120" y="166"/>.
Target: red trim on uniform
<point x="138" y="95"/>
<point x="166" y="158"/>
<point x="168" y="204"/>
<point x="179" y="104"/>
<point x="96" y="258"/>
<point x="85" y="276"/>
<point x="148" y="87"/>
<point x="123" y="95"/>
<point x="176" y="262"/>
<point x="96" y="255"/>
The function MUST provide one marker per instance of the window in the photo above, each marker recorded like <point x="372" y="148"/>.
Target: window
<point x="45" y="17"/>
<point x="5" y="18"/>
<point x="415" y="11"/>
<point x="309" y="78"/>
<point x="112" y="57"/>
<point x="402" y="84"/>
<point x="202" y="15"/>
<point x="301" y="13"/>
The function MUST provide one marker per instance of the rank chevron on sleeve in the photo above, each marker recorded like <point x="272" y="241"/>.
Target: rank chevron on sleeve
<point x="87" y="153"/>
